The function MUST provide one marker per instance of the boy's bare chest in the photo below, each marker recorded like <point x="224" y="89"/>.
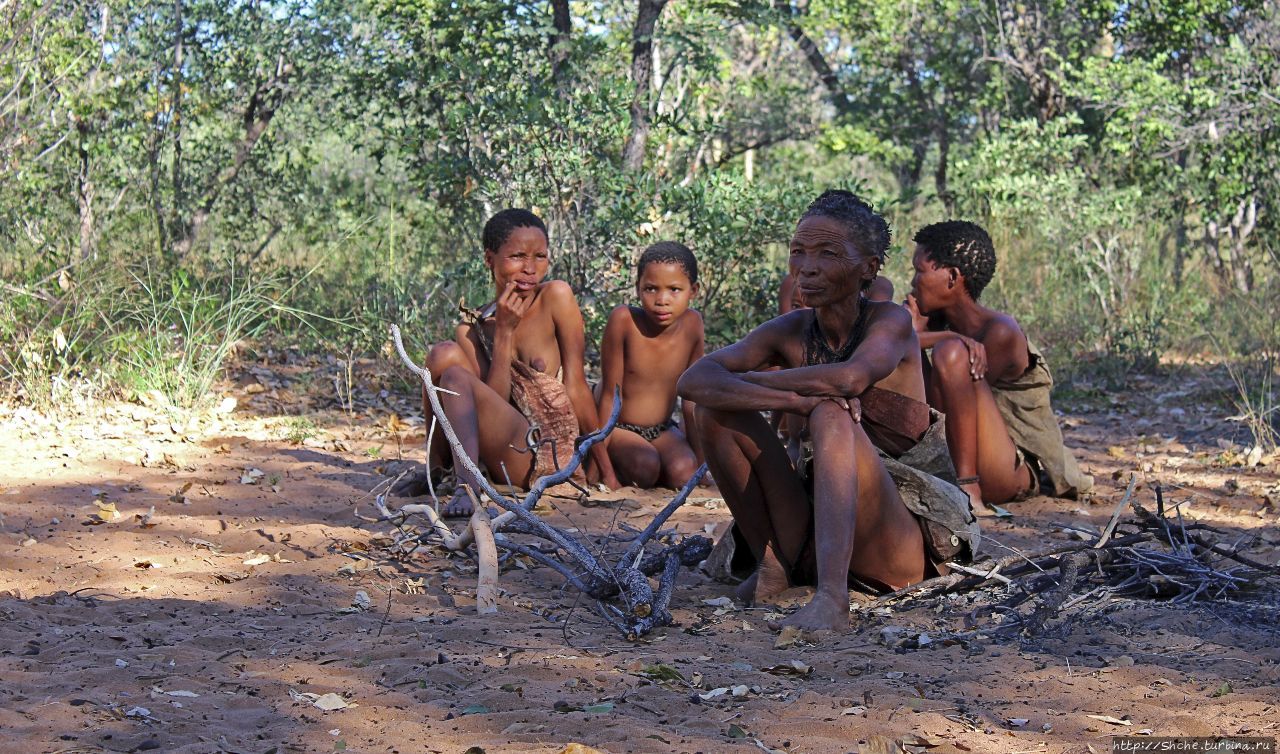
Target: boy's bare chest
<point x="659" y="358"/>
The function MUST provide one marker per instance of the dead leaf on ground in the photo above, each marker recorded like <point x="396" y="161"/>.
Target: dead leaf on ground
<point x="1109" y="719"/>
<point x="792" y="667"/>
<point x="144" y="519"/>
<point x="791" y="635"/>
<point x="180" y="497"/>
<point x="576" y="748"/>
<point x="258" y="560"/>
<point x="106" y="514"/>
<point x="251" y="476"/>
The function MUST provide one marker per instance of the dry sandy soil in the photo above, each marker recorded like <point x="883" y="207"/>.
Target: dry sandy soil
<point x="199" y="583"/>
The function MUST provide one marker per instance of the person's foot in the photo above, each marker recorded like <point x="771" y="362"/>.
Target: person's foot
<point x="823" y="613"/>
<point x="768" y="580"/>
<point x="459" y="506"/>
<point x="979" y="508"/>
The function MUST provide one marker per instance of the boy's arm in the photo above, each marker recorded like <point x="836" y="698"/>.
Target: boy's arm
<point x="875" y="358"/>
<point x="930" y="338"/>
<point x="716" y="380"/>
<point x="571" y="336"/>
<point x="687" y="406"/>
<point x="612" y="360"/>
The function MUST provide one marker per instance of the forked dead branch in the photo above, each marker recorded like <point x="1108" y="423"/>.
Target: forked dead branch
<point x="639" y="607"/>
<point x="1153" y="555"/>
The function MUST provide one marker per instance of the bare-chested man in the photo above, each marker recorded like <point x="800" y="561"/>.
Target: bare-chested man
<point x="990" y="382"/>
<point x="644" y="351"/>
<point x="529" y="333"/>
<point x="842" y="349"/>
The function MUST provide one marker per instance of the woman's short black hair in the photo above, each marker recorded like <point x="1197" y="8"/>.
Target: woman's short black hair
<point x="964" y="246"/>
<point x="499" y="227"/>
<point x="869" y="230"/>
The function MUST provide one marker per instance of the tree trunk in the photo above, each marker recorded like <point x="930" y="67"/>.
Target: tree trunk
<point x="641" y="74"/>
<point x="813" y="55"/>
<point x="175" y="117"/>
<point x="943" y="130"/>
<point x="562" y="22"/>
<point x="263" y="104"/>
<point x="84" y="193"/>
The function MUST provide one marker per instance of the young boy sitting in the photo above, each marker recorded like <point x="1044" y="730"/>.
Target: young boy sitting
<point x="645" y="350"/>
<point x="991" y="383"/>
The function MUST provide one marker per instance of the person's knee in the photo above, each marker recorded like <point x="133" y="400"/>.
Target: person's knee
<point x="637" y="466"/>
<point x="830" y="425"/>
<point x="829" y="416"/>
<point x="680" y="469"/>
<point x="453" y="377"/>
<point x="951" y="359"/>
<point x="443" y="355"/>
<point x="646" y="468"/>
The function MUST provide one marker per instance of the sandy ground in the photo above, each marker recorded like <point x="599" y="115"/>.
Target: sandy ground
<point x="200" y="583"/>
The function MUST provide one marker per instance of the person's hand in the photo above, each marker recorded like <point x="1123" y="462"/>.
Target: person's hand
<point x="852" y="405"/>
<point x="977" y="357"/>
<point x="919" y="322"/>
<point x="510" y="308"/>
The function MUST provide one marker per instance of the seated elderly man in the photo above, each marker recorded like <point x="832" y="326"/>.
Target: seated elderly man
<point x="852" y="366"/>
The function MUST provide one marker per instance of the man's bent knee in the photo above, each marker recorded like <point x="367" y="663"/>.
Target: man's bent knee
<point x="827" y="418"/>
<point x="951" y="358"/>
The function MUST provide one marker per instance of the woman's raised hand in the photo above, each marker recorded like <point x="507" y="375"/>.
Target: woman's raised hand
<point x="510" y="308"/>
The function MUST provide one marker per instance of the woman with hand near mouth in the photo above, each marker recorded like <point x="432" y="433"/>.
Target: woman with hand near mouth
<point x="503" y="365"/>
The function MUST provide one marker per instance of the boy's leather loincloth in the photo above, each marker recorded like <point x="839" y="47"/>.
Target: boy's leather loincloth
<point x="1033" y="427"/>
<point x="650" y="432"/>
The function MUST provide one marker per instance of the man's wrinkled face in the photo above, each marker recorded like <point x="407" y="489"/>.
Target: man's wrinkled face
<point x="826" y="262"/>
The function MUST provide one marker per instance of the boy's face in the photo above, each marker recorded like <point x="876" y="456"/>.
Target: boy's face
<point x="522" y="260"/>
<point x="932" y="286"/>
<point x="827" y="265"/>
<point x="665" y="292"/>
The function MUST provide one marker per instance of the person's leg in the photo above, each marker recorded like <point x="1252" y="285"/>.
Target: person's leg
<point x="765" y="495"/>
<point x="860" y="523"/>
<point x="476" y="405"/>
<point x="635" y="461"/>
<point x="976" y="434"/>
<point x="678" y="459"/>
<point x="442" y="355"/>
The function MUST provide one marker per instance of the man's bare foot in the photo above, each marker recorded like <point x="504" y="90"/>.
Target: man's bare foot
<point x="769" y="579"/>
<point x="459" y="506"/>
<point x="979" y="508"/>
<point x="824" y="612"/>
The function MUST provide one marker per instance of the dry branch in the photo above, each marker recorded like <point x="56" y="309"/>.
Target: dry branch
<point x="1153" y="557"/>
<point x="627" y="581"/>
